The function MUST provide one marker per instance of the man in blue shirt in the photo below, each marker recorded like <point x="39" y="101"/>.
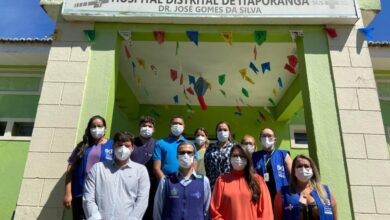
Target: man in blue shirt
<point x="185" y="194"/>
<point x="165" y="151"/>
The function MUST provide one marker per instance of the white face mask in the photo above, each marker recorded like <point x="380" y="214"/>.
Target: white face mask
<point x="146" y="132"/>
<point x="249" y="147"/>
<point x="303" y="174"/>
<point x="122" y="153"/>
<point x="185" y="160"/>
<point x="223" y="136"/>
<point x="97" y="132"/>
<point x="267" y="142"/>
<point x="177" y="130"/>
<point x="200" y="140"/>
<point x="238" y="163"/>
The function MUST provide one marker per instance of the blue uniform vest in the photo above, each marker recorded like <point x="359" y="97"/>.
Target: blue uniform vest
<point x="78" y="175"/>
<point x="290" y="205"/>
<point x="183" y="202"/>
<point x="279" y="168"/>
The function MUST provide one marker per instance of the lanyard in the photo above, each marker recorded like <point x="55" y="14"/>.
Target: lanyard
<point x="266" y="161"/>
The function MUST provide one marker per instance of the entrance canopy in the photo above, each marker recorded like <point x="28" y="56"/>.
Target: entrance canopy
<point x="241" y="74"/>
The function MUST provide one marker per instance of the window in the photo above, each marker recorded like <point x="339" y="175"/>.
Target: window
<point x="16" y="128"/>
<point x="23" y="129"/>
<point x="20" y="84"/>
<point x="298" y="136"/>
<point x="3" y="125"/>
<point x="383" y="86"/>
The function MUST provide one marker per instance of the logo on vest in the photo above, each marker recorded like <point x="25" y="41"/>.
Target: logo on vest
<point x="196" y="195"/>
<point x="108" y="154"/>
<point x="281" y="171"/>
<point x="289" y="207"/>
<point x="173" y="193"/>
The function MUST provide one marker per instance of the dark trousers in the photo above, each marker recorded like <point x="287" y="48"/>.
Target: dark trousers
<point x="77" y="208"/>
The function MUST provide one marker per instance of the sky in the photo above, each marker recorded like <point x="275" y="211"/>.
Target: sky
<point x="26" y="19"/>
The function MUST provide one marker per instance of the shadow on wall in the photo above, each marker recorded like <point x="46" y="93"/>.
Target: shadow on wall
<point x="347" y="37"/>
<point x="51" y="200"/>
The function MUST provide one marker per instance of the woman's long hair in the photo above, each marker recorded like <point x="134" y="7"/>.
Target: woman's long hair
<point x="315" y="181"/>
<point x="88" y="140"/>
<point x="249" y="173"/>
<point x="230" y="139"/>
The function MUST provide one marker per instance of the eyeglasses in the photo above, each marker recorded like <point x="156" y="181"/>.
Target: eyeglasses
<point x="248" y="143"/>
<point x="186" y="152"/>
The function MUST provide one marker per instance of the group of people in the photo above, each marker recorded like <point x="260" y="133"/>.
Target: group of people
<point x="172" y="178"/>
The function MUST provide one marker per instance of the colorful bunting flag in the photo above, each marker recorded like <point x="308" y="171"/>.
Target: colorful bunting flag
<point x="141" y="62"/>
<point x="200" y="89"/>
<point x="90" y="34"/>
<point x="247" y="78"/>
<point x="133" y="65"/>
<point x="290" y="69"/>
<point x="243" y="73"/>
<point x="181" y="79"/>
<point x="275" y="91"/>
<point x="189" y="90"/>
<point x="367" y="33"/>
<point x="159" y="36"/>
<point x="228" y="37"/>
<point x="191" y="79"/>
<point x="189" y="107"/>
<point x="254" y="68"/>
<point x="292" y="60"/>
<point x="138" y="81"/>
<point x="128" y="55"/>
<point x="193" y="36"/>
<point x="173" y="74"/>
<point x="238" y="113"/>
<point x="280" y="82"/>
<point x="176" y="99"/>
<point x="146" y="92"/>
<point x="153" y="68"/>
<point x="260" y="37"/>
<point x="155" y="114"/>
<point x="262" y="116"/>
<point x="331" y="32"/>
<point x="221" y="79"/>
<point x="271" y="101"/>
<point x="177" y="48"/>
<point x="265" y="66"/>
<point x="255" y="52"/>
<point x="245" y="92"/>
<point x="208" y="85"/>
<point x="223" y="92"/>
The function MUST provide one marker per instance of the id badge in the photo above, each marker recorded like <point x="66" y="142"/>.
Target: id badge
<point x="266" y="177"/>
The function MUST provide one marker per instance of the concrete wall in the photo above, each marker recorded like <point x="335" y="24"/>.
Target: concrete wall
<point x="361" y="124"/>
<point x="56" y="124"/>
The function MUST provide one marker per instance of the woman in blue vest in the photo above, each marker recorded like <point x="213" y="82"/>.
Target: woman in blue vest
<point x="272" y="164"/>
<point x="305" y="197"/>
<point x="92" y="149"/>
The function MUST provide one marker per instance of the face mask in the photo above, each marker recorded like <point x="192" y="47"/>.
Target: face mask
<point x="303" y="174"/>
<point x="200" y="140"/>
<point x="97" y="132"/>
<point x="250" y="148"/>
<point x="122" y="153"/>
<point x="185" y="160"/>
<point x="267" y="142"/>
<point x="146" y="132"/>
<point x="177" y="130"/>
<point x="238" y="163"/>
<point x="223" y="135"/>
